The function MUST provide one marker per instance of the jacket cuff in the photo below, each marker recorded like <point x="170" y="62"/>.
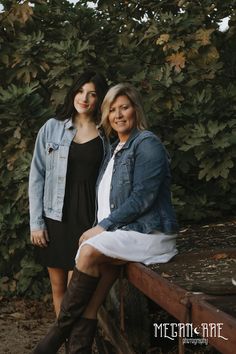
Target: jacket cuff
<point x="39" y="225"/>
<point x="105" y="224"/>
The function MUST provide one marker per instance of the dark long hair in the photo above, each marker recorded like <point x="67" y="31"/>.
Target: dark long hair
<point x="67" y="110"/>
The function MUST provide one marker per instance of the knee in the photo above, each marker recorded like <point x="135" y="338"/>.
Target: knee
<point x="88" y="255"/>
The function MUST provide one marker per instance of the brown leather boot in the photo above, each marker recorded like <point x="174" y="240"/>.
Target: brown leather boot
<point x="75" y="300"/>
<point x="82" y="336"/>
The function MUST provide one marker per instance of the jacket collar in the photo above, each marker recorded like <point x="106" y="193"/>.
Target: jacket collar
<point x="68" y="123"/>
<point x="135" y="132"/>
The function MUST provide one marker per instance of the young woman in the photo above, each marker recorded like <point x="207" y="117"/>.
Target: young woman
<point x="68" y="152"/>
<point x="136" y="220"/>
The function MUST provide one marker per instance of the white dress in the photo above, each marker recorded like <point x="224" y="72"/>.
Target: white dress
<point x="131" y="246"/>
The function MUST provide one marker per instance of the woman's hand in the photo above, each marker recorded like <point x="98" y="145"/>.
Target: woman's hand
<point x="39" y="238"/>
<point x="94" y="231"/>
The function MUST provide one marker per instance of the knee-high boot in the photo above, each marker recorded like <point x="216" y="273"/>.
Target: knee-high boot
<point x="75" y="300"/>
<point x="82" y="336"/>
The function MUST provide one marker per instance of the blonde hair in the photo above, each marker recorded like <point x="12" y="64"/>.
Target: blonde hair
<point x="123" y="89"/>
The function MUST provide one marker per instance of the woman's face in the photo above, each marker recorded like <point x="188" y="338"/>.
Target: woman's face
<point x="86" y="98"/>
<point x="122" y="117"/>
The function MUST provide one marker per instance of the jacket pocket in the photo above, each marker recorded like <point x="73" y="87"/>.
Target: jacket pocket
<point x="51" y="154"/>
<point x="126" y="171"/>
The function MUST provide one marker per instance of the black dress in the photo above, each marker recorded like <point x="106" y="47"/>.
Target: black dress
<point x="79" y="206"/>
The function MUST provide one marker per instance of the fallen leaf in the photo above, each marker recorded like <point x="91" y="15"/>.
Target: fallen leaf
<point x="17" y="315"/>
<point x="220" y="256"/>
<point x="165" y="275"/>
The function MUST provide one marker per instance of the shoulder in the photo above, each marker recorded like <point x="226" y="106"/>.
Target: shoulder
<point x="149" y="145"/>
<point x="148" y="137"/>
<point x="52" y="125"/>
<point x="53" y="122"/>
<point x="51" y="128"/>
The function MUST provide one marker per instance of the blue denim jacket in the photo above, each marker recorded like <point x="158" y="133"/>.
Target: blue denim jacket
<point x="48" y="170"/>
<point x="140" y="197"/>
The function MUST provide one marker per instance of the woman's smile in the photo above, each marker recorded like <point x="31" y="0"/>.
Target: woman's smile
<point x="83" y="105"/>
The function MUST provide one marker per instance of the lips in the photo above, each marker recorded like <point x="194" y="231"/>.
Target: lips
<point x="120" y="122"/>
<point x="83" y="105"/>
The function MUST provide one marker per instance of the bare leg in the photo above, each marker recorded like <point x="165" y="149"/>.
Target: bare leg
<point x="90" y="261"/>
<point x="69" y="276"/>
<point x="58" y="279"/>
<point x="94" y="263"/>
<point x="108" y="276"/>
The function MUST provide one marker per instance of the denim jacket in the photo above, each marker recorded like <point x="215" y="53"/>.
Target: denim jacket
<point x="48" y="170"/>
<point x="140" y="197"/>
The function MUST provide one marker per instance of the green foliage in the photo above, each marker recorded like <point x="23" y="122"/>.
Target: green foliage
<point x="174" y="53"/>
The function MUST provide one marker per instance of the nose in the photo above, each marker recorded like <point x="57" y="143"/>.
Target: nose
<point x="84" y="96"/>
<point x="118" y="113"/>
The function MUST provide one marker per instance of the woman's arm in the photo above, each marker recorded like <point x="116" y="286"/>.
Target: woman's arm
<point x="150" y="169"/>
<point x="36" y="183"/>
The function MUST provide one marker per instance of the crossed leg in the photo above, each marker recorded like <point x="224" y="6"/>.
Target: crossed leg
<point x="94" y="263"/>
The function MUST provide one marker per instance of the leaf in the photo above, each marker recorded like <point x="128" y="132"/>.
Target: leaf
<point x="23" y="12"/>
<point x="164" y="38"/>
<point x="203" y="36"/>
<point x="192" y="53"/>
<point x="219" y="256"/>
<point x="5" y="59"/>
<point x="177" y="61"/>
<point x="175" y="45"/>
<point x="210" y="55"/>
<point x="19" y="13"/>
<point x="17" y="316"/>
<point x="212" y="169"/>
<point x="17" y="133"/>
<point x="166" y="275"/>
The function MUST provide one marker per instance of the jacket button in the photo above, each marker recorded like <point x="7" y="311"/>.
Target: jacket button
<point x="112" y="206"/>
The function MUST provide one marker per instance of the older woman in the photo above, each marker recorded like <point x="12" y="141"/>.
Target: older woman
<point x="135" y="220"/>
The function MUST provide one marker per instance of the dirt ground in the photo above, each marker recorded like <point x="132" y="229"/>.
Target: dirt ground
<point x="23" y="322"/>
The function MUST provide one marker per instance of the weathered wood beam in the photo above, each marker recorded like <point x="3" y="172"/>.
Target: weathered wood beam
<point x="187" y="307"/>
<point x="170" y="297"/>
<point x="116" y="336"/>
